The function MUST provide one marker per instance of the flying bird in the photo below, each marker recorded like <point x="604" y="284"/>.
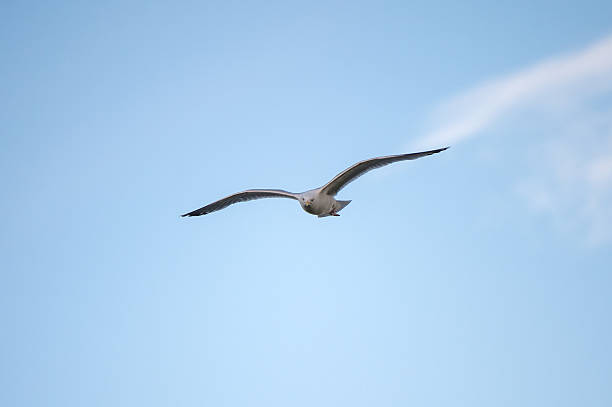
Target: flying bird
<point x="319" y="201"/>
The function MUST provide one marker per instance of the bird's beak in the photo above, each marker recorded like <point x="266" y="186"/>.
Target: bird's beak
<point x="307" y="203"/>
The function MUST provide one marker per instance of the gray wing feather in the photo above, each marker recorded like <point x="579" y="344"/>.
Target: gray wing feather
<point x="357" y="170"/>
<point x="243" y="196"/>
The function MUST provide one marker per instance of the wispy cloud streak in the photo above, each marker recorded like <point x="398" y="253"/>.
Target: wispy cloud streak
<point x="574" y="75"/>
<point x="566" y="101"/>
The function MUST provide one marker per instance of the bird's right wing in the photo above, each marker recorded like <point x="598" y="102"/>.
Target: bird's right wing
<point x="357" y="170"/>
<point x="243" y="196"/>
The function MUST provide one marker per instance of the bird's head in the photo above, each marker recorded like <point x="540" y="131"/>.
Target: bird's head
<point x="307" y="202"/>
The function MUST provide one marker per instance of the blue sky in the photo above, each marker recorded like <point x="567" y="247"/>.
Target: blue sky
<point x="477" y="277"/>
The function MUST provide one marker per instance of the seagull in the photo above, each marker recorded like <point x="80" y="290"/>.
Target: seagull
<point x="319" y="201"/>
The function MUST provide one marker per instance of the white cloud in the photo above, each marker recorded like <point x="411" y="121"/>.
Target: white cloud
<point x="571" y="177"/>
<point x="577" y="75"/>
<point x="600" y="172"/>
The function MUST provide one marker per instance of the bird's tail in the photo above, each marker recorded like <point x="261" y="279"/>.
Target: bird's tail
<point x="341" y="205"/>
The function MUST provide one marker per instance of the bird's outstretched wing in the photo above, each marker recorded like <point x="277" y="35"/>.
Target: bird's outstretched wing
<point x="243" y="196"/>
<point x="357" y="170"/>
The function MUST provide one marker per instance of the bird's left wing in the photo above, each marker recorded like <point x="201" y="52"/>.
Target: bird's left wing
<point x="357" y="170"/>
<point x="243" y="196"/>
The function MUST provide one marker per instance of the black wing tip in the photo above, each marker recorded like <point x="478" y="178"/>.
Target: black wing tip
<point x="436" y="151"/>
<point x="190" y="214"/>
<point x="430" y="152"/>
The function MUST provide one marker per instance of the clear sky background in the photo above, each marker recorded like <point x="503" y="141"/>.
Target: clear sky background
<point x="481" y="276"/>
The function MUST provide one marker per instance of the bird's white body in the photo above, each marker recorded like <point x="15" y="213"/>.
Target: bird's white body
<point x="320" y="201"/>
<point x="321" y="204"/>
